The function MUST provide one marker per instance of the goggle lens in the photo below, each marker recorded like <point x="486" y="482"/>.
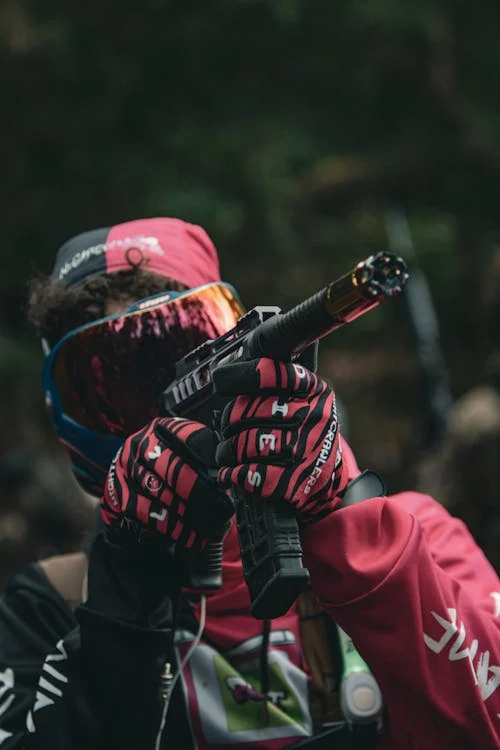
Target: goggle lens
<point x="108" y="376"/>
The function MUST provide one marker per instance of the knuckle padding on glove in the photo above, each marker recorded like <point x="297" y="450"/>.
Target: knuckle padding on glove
<point x="258" y="376"/>
<point x="229" y="429"/>
<point x="197" y="449"/>
<point x="197" y="452"/>
<point x="169" y="465"/>
<point x="227" y="455"/>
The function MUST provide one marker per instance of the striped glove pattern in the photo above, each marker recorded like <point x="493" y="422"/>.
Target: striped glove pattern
<point x="280" y="436"/>
<point x="160" y="484"/>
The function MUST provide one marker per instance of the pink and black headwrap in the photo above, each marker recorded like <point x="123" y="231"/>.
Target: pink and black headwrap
<point x="169" y="247"/>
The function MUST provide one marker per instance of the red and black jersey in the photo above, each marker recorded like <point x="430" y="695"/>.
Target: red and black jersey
<point x="401" y="576"/>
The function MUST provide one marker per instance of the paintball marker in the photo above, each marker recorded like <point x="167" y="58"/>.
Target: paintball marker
<point x="268" y="532"/>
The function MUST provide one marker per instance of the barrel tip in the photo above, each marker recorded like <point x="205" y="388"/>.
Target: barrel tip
<point x="383" y="274"/>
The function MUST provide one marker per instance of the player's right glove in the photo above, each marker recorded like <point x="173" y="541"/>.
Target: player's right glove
<point x="159" y="485"/>
<point x="281" y="436"/>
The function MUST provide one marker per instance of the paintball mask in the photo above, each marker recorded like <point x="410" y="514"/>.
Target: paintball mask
<point x="103" y="380"/>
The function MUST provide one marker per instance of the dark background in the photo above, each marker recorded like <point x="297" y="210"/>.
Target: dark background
<point x="289" y="129"/>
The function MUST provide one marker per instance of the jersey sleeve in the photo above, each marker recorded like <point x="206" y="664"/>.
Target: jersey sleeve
<point x="421" y="603"/>
<point x="91" y="678"/>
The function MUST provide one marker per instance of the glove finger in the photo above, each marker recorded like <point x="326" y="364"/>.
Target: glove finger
<point x="255" y="479"/>
<point x="166" y="466"/>
<point x="169" y="516"/>
<point x="152" y="476"/>
<point x="152" y="503"/>
<point x="260" y="443"/>
<point x="199" y="439"/>
<point x="204" y="444"/>
<point x="206" y="514"/>
<point x="274" y="482"/>
<point x="263" y="376"/>
<point x="152" y="487"/>
<point x="208" y="508"/>
<point x="248" y="411"/>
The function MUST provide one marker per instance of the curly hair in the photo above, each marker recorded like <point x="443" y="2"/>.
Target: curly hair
<point x="53" y="309"/>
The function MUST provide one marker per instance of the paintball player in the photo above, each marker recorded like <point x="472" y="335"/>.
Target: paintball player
<point x="111" y="648"/>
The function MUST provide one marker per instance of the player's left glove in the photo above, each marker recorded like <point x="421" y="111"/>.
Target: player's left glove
<point x="159" y="486"/>
<point x="280" y="436"/>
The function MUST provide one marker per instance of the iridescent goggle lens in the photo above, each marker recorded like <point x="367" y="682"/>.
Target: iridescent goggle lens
<point x="108" y="375"/>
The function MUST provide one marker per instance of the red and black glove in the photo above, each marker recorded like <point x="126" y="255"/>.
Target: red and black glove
<point x="280" y="435"/>
<point x="159" y="485"/>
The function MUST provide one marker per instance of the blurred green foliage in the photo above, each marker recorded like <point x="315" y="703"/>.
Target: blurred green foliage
<point x="286" y="127"/>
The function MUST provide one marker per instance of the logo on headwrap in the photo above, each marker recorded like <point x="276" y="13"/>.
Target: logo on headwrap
<point x="148" y="245"/>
